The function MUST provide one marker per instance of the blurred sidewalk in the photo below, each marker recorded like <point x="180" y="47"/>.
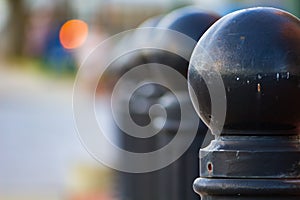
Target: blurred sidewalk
<point x="38" y="142"/>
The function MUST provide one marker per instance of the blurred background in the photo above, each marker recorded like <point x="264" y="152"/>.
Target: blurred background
<point x="42" y="44"/>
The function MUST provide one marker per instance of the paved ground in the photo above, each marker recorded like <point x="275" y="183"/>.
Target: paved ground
<point x="38" y="142"/>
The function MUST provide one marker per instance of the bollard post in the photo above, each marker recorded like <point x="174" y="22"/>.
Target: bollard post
<point x="175" y="181"/>
<point x="257" y="155"/>
<point x="137" y="186"/>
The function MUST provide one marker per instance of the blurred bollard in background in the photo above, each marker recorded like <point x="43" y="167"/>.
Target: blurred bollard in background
<point x="130" y="185"/>
<point x="170" y="182"/>
<point x="176" y="178"/>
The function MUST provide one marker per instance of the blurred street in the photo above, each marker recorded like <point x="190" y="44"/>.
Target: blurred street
<point x="38" y="141"/>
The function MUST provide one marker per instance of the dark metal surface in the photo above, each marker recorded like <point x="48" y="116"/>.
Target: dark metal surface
<point x="143" y="185"/>
<point x="257" y="155"/>
<point x="257" y="52"/>
<point x="173" y="182"/>
<point x="178" y="177"/>
<point x="252" y="157"/>
<point x="190" y="21"/>
<point x="215" y="189"/>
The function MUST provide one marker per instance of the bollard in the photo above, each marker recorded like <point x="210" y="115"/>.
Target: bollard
<point x="175" y="181"/>
<point x="257" y="155"/>
<point x="137" y="186"/>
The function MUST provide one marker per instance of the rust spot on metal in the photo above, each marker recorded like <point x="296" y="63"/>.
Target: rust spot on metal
<point x="210" y="167"/>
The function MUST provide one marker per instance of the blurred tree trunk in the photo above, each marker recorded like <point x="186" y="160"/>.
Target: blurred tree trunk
<point x="16" y="27"/>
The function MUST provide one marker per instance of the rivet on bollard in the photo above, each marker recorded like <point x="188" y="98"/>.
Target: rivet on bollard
<point x="257" y="155"/>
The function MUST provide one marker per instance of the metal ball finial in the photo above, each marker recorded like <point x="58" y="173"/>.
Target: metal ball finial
<point x="257" y="53"/>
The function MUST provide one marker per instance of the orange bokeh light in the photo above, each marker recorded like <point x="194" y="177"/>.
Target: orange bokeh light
<point x="73" y="33"/>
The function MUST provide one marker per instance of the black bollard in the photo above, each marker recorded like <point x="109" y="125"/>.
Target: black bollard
<point x="137" y="186"/>
<point x="257" y="155"/>
<point x="134" y="186"/>
<point x="175" y="181"/>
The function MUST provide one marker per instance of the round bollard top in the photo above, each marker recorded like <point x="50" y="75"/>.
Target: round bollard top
<point x="257" y="53"/>
<point x="190" y="21"/>
<point x="134" y="58"/>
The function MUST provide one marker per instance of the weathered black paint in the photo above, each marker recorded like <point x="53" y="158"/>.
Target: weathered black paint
<point x="257" y="156"/>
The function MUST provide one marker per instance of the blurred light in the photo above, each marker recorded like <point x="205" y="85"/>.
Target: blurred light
<point x="73" y="33"/>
